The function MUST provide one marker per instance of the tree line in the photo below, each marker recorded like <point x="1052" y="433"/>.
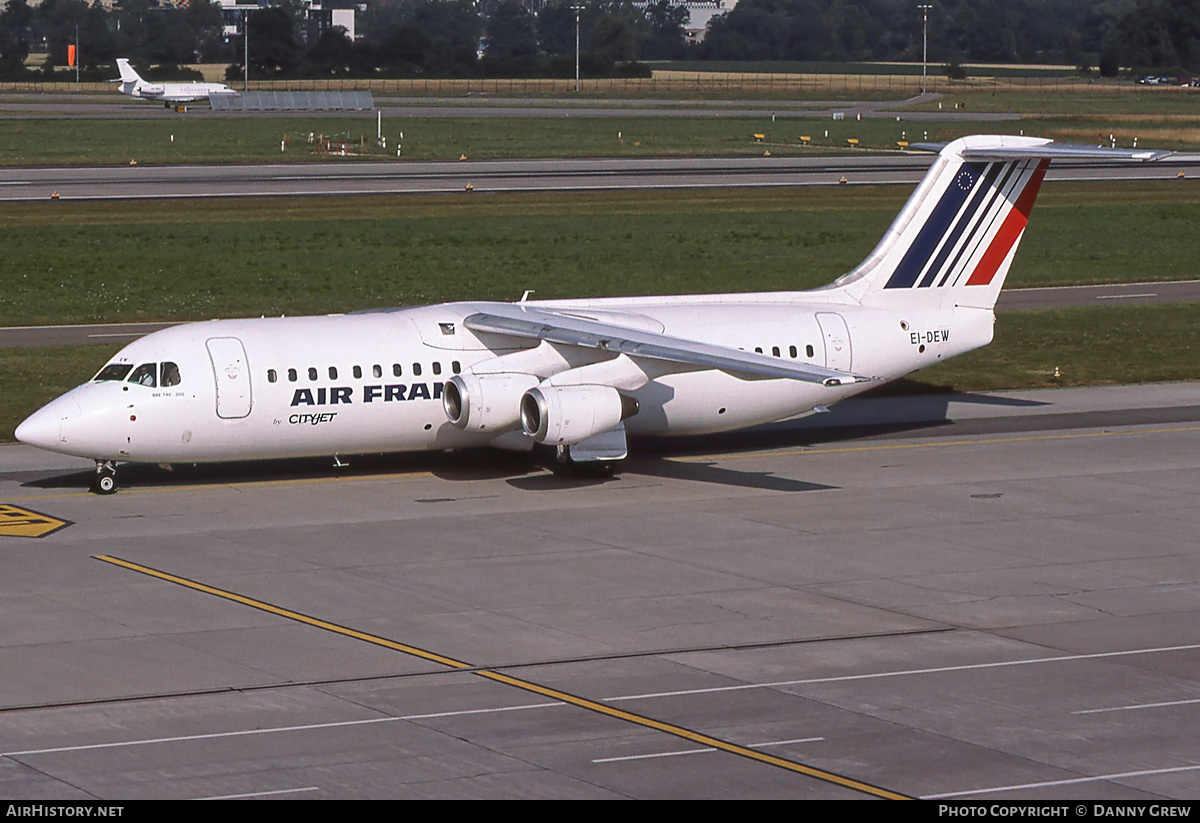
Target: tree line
<point x="515" y="38"/>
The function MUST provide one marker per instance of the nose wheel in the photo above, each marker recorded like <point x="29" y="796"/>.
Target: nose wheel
<point x="104" y="481"/>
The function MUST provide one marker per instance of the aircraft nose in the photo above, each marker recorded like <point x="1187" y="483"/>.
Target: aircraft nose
<point x="43" y="428"/>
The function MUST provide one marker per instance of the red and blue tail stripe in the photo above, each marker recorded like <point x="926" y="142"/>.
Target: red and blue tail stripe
<point x="980" y="195"/>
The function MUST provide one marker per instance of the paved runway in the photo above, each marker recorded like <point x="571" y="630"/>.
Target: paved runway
<point x="310" y="179"/>
<point x="1001" y="607"/>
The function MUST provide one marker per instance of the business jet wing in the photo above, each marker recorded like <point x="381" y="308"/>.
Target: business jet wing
<point x="517" y="320"/>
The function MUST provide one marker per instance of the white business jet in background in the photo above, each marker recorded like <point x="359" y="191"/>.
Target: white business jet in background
<point x="169" y="93"/>
<point x="574" y="374"/>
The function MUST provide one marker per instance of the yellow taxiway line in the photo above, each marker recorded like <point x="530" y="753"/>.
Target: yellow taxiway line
<point x="524" y="685"/>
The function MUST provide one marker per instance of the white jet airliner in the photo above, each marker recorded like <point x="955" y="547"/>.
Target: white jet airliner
<point x="574" y="374"/>
<point x="169" y="93"/>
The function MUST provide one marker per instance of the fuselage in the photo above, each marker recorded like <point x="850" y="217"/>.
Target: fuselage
<point x="373" y="381"/>
<point x="174" y="92"/>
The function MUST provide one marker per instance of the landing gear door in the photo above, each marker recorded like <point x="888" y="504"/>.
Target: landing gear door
<point x="837" y="341"/>
<point x="232" y="374"/>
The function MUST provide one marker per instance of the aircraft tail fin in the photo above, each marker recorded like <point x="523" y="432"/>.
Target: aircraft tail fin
<point x="953" y="242"/>
<point x="128" y="74"/>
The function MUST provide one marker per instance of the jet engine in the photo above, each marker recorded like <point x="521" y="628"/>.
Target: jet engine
<point x="564" y="416"/>
<point x="486" y="402"/>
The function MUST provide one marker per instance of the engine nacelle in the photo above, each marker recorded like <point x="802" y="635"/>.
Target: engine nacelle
<point x="564" y="416"/>
<point x="488" y="402"/>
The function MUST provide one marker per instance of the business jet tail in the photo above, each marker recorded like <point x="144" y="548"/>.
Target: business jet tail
<point x="953" y="242"/>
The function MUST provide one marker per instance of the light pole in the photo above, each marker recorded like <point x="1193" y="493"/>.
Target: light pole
<point x="577" y="10"/>
<point x="246" y="47"/>
<point x="924" y="43"/>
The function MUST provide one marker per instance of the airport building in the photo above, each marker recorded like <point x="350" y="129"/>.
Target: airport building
<point x="700" y="12"/>
<point x="234" y="12"/>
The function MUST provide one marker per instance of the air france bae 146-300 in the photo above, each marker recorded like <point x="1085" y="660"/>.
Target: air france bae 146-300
<point x="575" y="374"/>
<point x="169" y="93"/>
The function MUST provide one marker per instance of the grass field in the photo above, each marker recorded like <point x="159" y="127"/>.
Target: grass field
<point x="174" y="139"/>
<point x="72" y="262"/>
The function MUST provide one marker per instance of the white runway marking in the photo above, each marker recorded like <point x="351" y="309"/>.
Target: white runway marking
<point x="906" y="672"/>
<point x="262" y="794"/>
<point x="615" y="699"/>
<point x="1136" y="706"/>
<point x="278" y="730"/>
<point x="704" y="750"/>
<point x="1069" y="782"/>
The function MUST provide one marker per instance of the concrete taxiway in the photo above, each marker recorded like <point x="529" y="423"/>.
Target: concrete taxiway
<point x="957" y="597"/>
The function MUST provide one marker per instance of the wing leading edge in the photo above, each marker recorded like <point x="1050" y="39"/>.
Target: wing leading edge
<point x="533" y="323"/>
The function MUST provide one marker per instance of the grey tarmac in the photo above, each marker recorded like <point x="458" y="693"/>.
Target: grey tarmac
<point x="996" y="600"/>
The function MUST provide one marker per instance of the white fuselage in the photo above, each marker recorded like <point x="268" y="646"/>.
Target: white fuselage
<point x="373" y="382"/>
<point x="174" y="92"/>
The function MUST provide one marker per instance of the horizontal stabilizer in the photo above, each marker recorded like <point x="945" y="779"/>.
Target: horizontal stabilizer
<point x="1049" y="151"/>
<point x="532" y="323"/>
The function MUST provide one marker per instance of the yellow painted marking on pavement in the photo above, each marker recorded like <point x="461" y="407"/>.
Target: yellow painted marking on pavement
<point x="16" y="521"/>
<point x="285" y="613"/>
<point x="524" y="685"/>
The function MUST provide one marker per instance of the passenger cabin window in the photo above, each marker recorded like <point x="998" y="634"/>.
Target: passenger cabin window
<point x="113" y="371"/>
<point x="437" y="368"/>
<point x="291" y="375"/>
<point x="792" y="351"/>
<point x="357" y="372"/>
<point x="169" y="376"/>
<point x="143" y="375"/>
<point x="312" y="373"/>
<point x="455" y="367"/>
<point x="417" y="369"/>
<point x="775" y="351"/>
<point x="272" y="376"/>
<point x="396" y="370"/>
<point x="377" y="370"/>
<point x="333" y="372"/>
<point x="808" y="350"/>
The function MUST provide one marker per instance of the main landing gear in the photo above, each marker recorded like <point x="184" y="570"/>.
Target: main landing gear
<point x="104" y="481"/>
<point x="567" y="466"/>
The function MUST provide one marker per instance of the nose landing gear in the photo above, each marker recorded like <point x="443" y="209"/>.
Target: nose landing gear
<point x="104" y="481"/>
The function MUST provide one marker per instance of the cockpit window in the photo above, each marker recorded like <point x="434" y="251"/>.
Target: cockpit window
<point x="113" y="371"/>
<point x="169" y="376"/>
<point x="143" y="375"/>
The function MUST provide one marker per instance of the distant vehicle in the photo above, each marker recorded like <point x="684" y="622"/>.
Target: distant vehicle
<point x="575" y="375"/>
<point x="169" y="93"/>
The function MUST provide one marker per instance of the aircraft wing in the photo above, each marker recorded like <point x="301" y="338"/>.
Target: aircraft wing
<point x="517" y="320"/>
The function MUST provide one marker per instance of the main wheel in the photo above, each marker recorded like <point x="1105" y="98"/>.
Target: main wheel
<point x="566" y="467"/>
<point x="105" y="481"/>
